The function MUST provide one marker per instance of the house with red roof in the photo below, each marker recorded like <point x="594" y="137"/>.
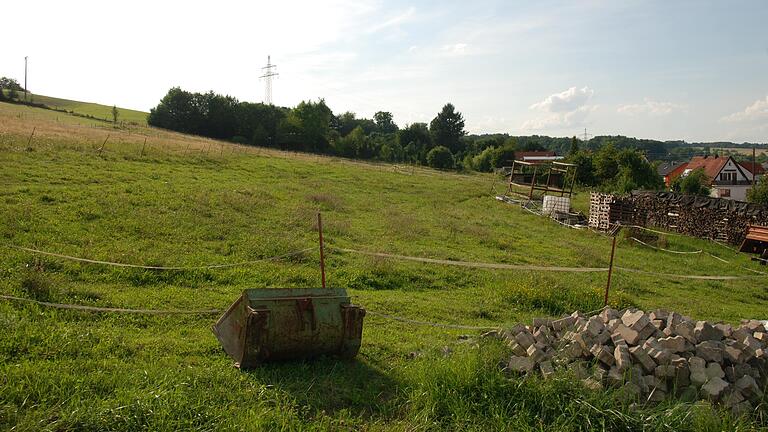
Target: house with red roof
<point x="727" y="178"/>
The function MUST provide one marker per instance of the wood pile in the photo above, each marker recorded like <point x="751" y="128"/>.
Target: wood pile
<point x="704" y="217"/>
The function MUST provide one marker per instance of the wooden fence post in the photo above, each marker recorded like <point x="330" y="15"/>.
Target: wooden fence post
<point x="322" y="252"/>
<point x="610" y="271"/>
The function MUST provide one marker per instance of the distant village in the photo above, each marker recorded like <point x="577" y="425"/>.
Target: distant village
<point x="727" y="177"/>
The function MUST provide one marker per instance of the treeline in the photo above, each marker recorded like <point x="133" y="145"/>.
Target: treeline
<point x="311" y="126"/>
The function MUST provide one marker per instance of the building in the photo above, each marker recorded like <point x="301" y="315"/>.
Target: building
<point x="727" y="178"/>
<point x="753" y="169"/>
<point x="669" y="170"/>
<point x="537" y="157"/>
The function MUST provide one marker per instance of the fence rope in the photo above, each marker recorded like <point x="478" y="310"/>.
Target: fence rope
<point x="430" y="324"/>
<point x="665" y="250"/>
<point x="544" y="268"/>
<point x="476" y="264"/>
<point x="116" y="264"/>
<point x="109" y="309"/>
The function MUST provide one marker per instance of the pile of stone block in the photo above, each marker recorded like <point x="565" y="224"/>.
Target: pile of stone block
<point x="648" y="356"/>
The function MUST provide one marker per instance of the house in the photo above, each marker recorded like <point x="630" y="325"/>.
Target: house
<point x="669" y="170"/>
<point x="727" y="178"/>
<point x="753" y="169"/>
<point x="537" y="157"/>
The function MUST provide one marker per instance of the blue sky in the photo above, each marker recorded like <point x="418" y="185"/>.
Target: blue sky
<point x="693" y="70"/>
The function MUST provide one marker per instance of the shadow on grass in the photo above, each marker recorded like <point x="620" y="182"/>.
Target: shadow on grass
<point x="329" y="385"/>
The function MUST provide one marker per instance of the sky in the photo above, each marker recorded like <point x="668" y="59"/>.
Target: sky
<point x="668" y="70"/>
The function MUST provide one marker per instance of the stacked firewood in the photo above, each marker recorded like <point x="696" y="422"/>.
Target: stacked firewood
<point x="703" y="217"/>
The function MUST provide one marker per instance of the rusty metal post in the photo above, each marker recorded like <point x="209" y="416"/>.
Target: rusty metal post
<point x="610" y="271"/>
<point x="322" y="252"/>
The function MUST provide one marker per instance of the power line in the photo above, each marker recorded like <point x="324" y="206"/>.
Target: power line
<point x="269" y="72"/>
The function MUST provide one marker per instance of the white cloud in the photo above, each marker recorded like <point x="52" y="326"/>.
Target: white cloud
<point x="457" y="49"/>
<point x="565" y="109"/>
<point x="566" y="101"/>
<point x="651" y="107"/>
<point x="757" y="112"/>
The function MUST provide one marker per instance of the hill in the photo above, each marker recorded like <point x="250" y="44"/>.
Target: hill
<point x="98" y="111"/>
<point x="141" y="195"/>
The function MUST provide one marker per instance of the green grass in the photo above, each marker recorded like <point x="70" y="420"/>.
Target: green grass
<point x="64" y="370"/>
<point x="98" y="111"/>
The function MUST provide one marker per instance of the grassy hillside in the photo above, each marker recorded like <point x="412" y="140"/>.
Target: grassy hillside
<point x="102" y="112"/>
<point x="165" y="199"/>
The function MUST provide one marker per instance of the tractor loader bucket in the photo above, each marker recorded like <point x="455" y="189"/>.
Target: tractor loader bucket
<point x="282" y="324"/>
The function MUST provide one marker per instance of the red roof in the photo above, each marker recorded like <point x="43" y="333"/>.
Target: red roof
<point x="754" y="168"/>
<point x="710" y="164"/>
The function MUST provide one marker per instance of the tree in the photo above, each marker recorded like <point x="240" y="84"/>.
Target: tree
<point x="440" y="157"/>
<point x="574" y="146"/>
<point x="695" y="182"/>
<point x="10" y="84"/>
<point x="315" y="121"/>
<point x="484" y="162"/>
<point x="759" y="193"/>
<point x="416" y="141"/>
<point x="384" y="122"/>
<point x="504" y="155"/>
<point x="448" y="128"/>
<point x="115" y="114"/>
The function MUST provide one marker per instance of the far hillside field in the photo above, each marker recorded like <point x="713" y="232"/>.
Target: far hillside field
<point x="101" y="112"/>
<point x="145" y="196"/>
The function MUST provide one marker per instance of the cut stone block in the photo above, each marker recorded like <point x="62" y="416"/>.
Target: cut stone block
<point x="748" y="387"/>
<point x="699" y="377"/>
<point x="535" y="353"/>
<point x="603" y="354"/>
<point x="521" y="364"/>
<point x="664" y="371"/>
<point x="648" y="331"/>
<point x="623" y="360"/>
<point x="714" y="370"/>
<point x="635" y="320"/>
<point x="642" y="357"/>
<point x="659" y="315"/>
<point x="714" y="388"/>
<point x="705" y="332"/>
<point x="676" y="344"/>
<point x="697" y="363"/>
<point x="653" y="382"/>
<point x="546" y="369"/>
<point x="685" y="329"/>
<point x="594" y="326"/>
<point x="632" y="337"/>
<point x="517" y="349"/>
<point x="725" y="329"/>
<point x="711" y="351"/>
<point x="525" y="339"/>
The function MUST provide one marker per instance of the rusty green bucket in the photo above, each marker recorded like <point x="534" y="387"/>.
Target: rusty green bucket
<point x="283" y="324"/>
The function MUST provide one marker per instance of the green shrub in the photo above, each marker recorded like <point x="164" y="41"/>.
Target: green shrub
<point x="440" y="157"/>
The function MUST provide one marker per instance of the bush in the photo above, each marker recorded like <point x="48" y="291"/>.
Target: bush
<point x="440" y="157"/>
<point x="759" y="193"/>
<point x="695" y="182"/>
<point x="484" y="161"/>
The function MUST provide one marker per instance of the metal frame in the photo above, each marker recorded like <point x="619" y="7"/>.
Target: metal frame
<point x="518" y="168"/>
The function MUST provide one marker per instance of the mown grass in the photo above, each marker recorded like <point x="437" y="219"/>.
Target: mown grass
<point x="180" y="203"/>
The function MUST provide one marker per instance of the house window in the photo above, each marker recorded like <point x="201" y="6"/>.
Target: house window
<point x="723" y="193"/>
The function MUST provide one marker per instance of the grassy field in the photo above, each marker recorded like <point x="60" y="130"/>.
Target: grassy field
<point x="157" y="198"/>
<point x="102" y="112"/>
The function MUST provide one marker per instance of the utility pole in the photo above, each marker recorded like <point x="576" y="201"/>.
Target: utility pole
<point x="25" y="78"/>
<point x="754" y="168"/>
<point x="269" y="72"/>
